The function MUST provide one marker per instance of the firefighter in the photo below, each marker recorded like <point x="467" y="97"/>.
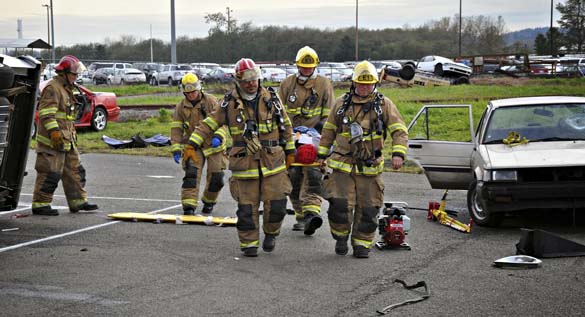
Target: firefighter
<point x="193" y="109"/>
<point x="359" y="123"/>
<point x="262" y="138"/>
<point x="308" y="98"/>
<point x="57" y="155"/>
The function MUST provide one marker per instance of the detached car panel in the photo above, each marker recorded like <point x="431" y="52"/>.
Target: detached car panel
<point x="527" y="153"/>
<point x="19" y="82"/>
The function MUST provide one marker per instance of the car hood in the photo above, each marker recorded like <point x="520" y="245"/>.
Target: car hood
<point x="537" y="154"/>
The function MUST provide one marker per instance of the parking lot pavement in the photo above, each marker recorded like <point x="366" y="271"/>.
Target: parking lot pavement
<point x="87" y="264"/>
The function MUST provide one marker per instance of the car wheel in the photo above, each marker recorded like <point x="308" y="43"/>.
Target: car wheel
<point x="170" y="82"/>
<point x="439" y="69"/>
<point x="463" y="80"/>
<point x="121" y="81"/>
<point x="480" y="215"/>
<point x="95" y="82"/>
<point x="6" y="77"/>
<point x="153" y="81"/>
<point x="109" y="81"/>
<point x="99" y="120"/>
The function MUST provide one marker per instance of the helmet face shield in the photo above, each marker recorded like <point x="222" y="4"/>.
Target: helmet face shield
<point x="190" y="83"/>
<point x="246" y="70"/>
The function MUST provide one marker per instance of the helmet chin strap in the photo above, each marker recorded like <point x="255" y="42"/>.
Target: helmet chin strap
<point x="246" y="96"/>
<point x="303" y="79"/>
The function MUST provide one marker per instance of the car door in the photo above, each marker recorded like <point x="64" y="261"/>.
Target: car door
<point x="441" y="141"/>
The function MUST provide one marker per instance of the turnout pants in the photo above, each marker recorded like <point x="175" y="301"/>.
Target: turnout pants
<point x="306" y="190"/>
<point x="354" y="204"/>
<point x="272" y="192"/>
<point x="54" y="166"/>
<point x="216" y="164"/>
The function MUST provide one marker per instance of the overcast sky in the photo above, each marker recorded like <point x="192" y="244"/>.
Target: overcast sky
<point x="84" y="21"/>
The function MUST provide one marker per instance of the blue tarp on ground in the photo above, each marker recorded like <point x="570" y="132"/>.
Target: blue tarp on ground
<point x="137" y="141"/>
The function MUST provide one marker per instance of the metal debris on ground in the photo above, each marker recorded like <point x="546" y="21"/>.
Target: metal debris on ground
<point x="424" y="296"/>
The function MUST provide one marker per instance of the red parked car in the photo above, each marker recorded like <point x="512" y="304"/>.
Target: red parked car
<point x="95" y="109"/>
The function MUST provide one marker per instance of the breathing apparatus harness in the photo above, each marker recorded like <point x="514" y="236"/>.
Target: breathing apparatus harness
<point x="355" y="129"/>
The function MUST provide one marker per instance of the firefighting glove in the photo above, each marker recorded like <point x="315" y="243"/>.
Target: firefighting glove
<point x="177" y="157"/>
<point x="322" y="165"/>
<point x="215" y="142"/>
<point x="290" y="158"/>
<point x="364" y="152"/>
<point x="253" y="145"/>
<point x="189" y="154"/>
<point x="57" y="140"/>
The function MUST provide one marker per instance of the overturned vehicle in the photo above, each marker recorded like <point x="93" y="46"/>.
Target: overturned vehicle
<point x="19" y="81"/>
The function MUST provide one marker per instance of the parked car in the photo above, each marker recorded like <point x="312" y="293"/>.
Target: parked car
<point x="332" y="73"/>
<point x="272" y="74"/>
<point x="103" y="76"/>
<point x="93" y="67"/>
<point x="220" y="75"/>
<point x="527" y="153"/>
<point x="169" y="74"/>
<point x="128" y="76"/>
<point x="49" y="71"/>
<point x="443" y="66"/>
<point x="94" y="109"/>
<point x="147" y="68"/>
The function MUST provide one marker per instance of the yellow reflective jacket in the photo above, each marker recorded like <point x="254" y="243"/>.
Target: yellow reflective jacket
<point x="187" y="116"/>
<point x="335" y="138"/>
<point x="57" y="112"/>
<point x="234" y="112"/>
<point x="309" y="103"/>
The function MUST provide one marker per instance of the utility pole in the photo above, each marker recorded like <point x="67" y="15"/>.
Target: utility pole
<point x="151" y="55"/>
<point x="52" y="34"/>
<point x="173" y="39"/>
<point x="550" y="30"/>
<point x="356" y="31"/>
<point x="460" y="23"/>
<point x="48" y="26"/>
<point x="229" y="20"/>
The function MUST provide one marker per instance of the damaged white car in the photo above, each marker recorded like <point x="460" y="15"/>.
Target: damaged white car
<point x="526" y="153"/>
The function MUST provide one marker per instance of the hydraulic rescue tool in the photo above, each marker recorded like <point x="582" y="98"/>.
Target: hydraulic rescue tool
<point x="393" y="226"/>
<point x="437" y="212"/>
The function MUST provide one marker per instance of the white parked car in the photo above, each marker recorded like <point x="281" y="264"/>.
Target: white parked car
<point x="49" y="71"/>
<point x="273" y="74"/>
<point x="331" y="73"/>
<point x="527" y="153"/>
<point x="170" y="74"/>
<point x="123" y="76"/>
<point x="443" y="66"/>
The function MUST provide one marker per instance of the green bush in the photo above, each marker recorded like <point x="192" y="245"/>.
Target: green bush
<point x="164" y="115"/>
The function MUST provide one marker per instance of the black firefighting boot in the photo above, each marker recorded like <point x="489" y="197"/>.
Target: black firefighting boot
<point x="269" y="243"/>
<point x="359" y="251"/>
<point x="312" y="223"/>
<point x="207" y="208"/>
<point x="85" y="206"/>
<point x="188" y="211"/>
<point x="341" y="247"/>
<point x="250" y="252"/>
<point x="299" y="226"/>
<point x="45" y="211"/>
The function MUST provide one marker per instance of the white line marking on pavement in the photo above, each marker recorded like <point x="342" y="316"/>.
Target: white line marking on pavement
<point x="24" y="244"/>
<point x="120" y="198"/>
<point x="160" y="176"/>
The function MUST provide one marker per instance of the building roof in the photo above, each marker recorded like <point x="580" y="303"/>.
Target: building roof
<point x="24" y="43"/>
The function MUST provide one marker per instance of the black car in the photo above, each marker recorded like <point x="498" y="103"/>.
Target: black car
<point x="220" y="75"/>
<point x="147" y="68"/>
<point x="102" y="76"/>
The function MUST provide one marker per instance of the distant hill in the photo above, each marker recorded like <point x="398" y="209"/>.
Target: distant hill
<point x="525" y="36"/>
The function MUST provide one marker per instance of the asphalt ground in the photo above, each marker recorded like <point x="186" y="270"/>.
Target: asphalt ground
<point x="87" y="264"/>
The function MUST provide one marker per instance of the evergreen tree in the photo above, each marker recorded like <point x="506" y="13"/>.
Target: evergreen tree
<point x="573" y="22"/>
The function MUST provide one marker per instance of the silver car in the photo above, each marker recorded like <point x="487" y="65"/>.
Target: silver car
<point x="526" y="153"/>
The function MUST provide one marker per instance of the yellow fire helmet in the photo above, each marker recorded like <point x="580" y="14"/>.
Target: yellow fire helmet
<point x="190" y="83"/>
<point x="307" y="57"/>
<point x="365" y="73"/>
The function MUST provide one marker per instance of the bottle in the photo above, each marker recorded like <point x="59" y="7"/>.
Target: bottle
<point x="406" y="223"/>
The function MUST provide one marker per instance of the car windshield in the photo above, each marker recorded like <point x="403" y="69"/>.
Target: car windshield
<point x="184" y="67"/>
<point x="551" y="122"/>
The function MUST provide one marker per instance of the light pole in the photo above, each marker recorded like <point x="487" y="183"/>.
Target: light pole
<point x="52" y="34"/>
<point x="48" y="25"/>
<point x="551" y="29"/>
<point x="460" y="22"/>
<point x="173" y="40"/>
<point x="356" y="31"/>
